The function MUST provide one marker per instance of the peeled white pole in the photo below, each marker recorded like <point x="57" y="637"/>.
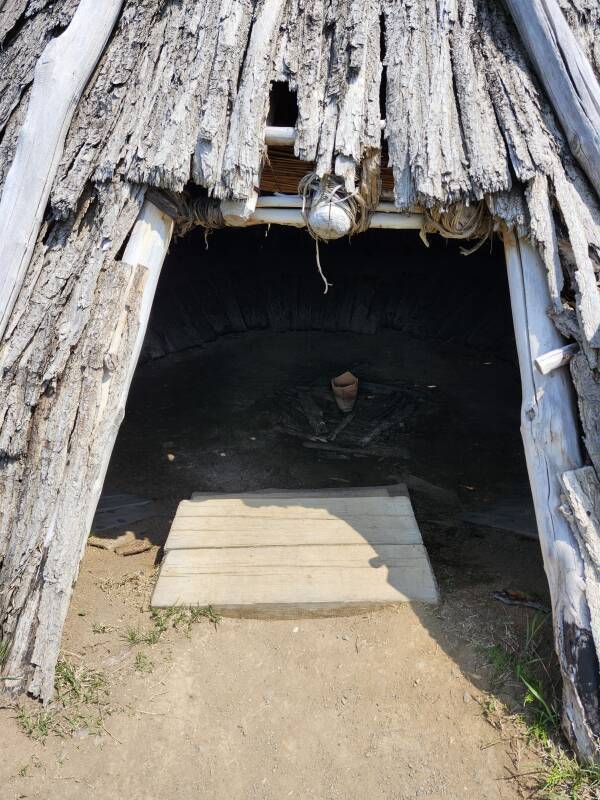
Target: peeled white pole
<point x="295" y="201"/>
<point x="60" y="77"/>
<point x="294" y="217"/>
<point x="554" y="359"/>
<point x="147" y="247"/>
<point x="281" y="136"/>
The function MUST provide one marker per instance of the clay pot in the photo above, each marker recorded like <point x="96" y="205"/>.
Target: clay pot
<point x="345" y="391"/>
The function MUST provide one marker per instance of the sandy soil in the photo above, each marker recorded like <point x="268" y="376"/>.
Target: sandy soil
<point x="384" y="706"/>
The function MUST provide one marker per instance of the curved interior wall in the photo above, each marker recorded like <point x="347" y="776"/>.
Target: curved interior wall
<point x="266" y="279"/>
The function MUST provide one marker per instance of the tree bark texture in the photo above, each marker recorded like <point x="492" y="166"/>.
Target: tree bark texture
<point x="60" y="77"/>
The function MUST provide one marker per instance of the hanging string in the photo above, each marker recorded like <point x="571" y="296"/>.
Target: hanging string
<point x="320" y="269"/>
<point x="330" y="190"/>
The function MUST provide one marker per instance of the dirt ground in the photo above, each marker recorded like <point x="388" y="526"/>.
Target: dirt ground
<point x="386" y="706"/>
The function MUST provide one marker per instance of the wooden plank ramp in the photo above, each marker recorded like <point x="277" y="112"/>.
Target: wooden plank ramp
<point x="286" y="554"/>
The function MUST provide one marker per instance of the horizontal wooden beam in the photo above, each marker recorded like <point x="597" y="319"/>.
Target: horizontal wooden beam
<point x="550" y="361"/>
<point x="294" y="217"/>
<point x="277" y="136"/>
<point x="295" y="201"/>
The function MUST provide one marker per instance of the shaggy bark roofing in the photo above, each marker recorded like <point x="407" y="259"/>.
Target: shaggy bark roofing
<point x="182" y="94"/>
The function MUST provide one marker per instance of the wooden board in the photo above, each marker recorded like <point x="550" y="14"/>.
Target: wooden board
<point x="118" y="510"/>
<point x="514" y="515"/>
<point x="281" y="554"/>
<point x="393" y="490"/>
<point x="296" y="508"/>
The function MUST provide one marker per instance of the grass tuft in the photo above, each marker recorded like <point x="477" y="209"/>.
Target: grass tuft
<point x="133" y="636"/>
<point x="165" y="618"/>
<point x="520" y="663"/>
<point x="177" y="618"/>
<point x="37" y="724"/>
<point x="80" y="702"/>
<point x="79" y="684"/>
<point x="570" y="778"/>
<point x="143" y="663"/>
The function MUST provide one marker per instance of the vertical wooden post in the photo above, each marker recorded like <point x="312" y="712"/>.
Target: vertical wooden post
<point x="552" y="447"/>
<point x="147" y="247"/>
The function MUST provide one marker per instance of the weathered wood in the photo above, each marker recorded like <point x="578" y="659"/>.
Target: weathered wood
<point x="313" y="553"/>
<point x="19" y="54"/>
<point x="76" y="401"/>
<point x="358" y="125"/>
<point x="419" y="95"/>
<point x="321" y="507"/>
<point x="390" y="490"/>
<point x="242" y="158"/>
<point x="466" y="120"/>
<point x="551" y="443"/>
<point x="60" y="77"/>
<point x="272" y="215"/>
<point x="560" y="357"/>
<point x="582" y="491"/>
<point x="235" y="18"/>
<point x="158" y="109"/>
<point x="566" y="75"/>
<point x="587" y="383"/>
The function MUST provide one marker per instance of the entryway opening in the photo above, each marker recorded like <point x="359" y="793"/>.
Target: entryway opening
<point x="232" y="393"/>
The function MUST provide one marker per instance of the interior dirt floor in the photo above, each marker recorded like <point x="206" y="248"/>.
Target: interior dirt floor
<point x="386" y="705"/>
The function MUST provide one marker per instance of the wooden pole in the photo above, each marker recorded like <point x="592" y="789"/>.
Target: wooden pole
<point x="552" y="447"/>
<point x="556" y="358"/>
<point x="49" y="528"/>
<point x="147" y="247"/>
<point x="268" y="214"/>
<point x="61" y="74"/>
<point x="566" y="75"/>
<point x="286" y="137"/>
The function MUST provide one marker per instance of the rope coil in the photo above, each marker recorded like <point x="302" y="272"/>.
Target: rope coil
<point x="459" y="222"/>
<point x="330" y="193"/>
<point x="188" y="212"/>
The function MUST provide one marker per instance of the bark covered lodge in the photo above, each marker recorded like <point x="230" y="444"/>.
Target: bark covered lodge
<point x="103" y="100"/>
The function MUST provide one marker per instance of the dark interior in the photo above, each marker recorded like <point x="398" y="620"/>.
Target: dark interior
<point x="232" y="392"/>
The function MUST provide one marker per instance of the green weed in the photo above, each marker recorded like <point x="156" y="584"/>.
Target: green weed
<point x="81" y="701"/>
<point x="521" y="661"/>
<point x="560" y="776"/>
<point x="570" y="778"/>
<point x="37" y="724"/>
<point x="143" y="663"/>
<point x="78" y="684"/>
<point x="98" y="628"/>
<point x="133" y="636"/>
<point x="175" y="617"/>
